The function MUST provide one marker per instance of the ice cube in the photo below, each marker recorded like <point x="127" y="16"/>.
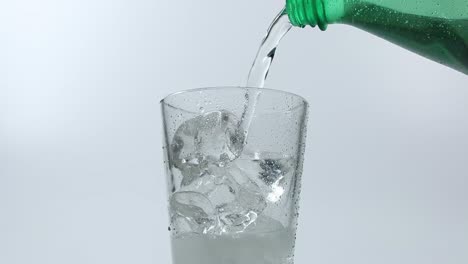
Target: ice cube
<point x="223" y="194"/>
<point x="237" y="186"/>
<point x="249" y="194"/>
<point x="192" y="212"/>
<point x="251" y="198"/>
<point x="181" y="225"/>
<point x="237" y="174"/>
<point x="204" y="184"/>
<point x="233" y="218"/>
<point x="221" y="200"/>
<point x="213" y="138"/>
<point x="238" y="200"/>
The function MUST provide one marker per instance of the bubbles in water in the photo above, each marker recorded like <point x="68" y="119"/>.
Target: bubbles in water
<point x="272" y="171"/>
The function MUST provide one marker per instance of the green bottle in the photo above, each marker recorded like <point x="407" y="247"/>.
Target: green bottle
<point x="436" y="29"/>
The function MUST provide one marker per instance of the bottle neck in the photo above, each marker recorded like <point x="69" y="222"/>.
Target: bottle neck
<point x="314" y="12"/>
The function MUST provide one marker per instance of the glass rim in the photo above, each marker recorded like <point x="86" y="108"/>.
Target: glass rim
<point x="165" y="99"/>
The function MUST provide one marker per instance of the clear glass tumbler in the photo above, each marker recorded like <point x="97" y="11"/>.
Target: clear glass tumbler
<point x="233" y="196"/>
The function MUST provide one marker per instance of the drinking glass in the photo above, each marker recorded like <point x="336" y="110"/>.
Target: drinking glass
<point x="233" y="195"/>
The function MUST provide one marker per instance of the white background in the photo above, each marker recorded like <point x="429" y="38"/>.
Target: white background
<point x="81" y="176"/>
